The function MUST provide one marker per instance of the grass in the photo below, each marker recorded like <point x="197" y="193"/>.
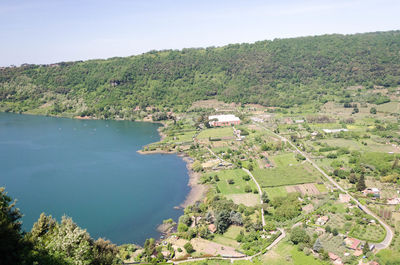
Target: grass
<point x="391" y="107"/>
<point x="229" y="237"/>
<point x="284" y="160"/>
<point x="216" y="133"/>
<point x="276" y="192"/>
<point x="185" y="136"/>
<point x="286" y="253"/>
<point x="282" y="176"/>
<point x="239" y="183"/>
<point x="321" y="187"/>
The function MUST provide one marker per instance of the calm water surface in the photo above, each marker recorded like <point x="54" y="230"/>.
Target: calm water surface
<point x="90" y="170"/>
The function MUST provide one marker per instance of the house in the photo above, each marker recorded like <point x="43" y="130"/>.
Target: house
<point x="333" y="256"/>
<point x="344" y="198"/>
<point x="352" y="243"/>
<point x="358" y="252"/>
<point x="212" y="228"/>
<point x="314" y="133"/>
<point x="374" y="191"/>
<point x="299" y="121"/>
<point x="322" y="220"/>
<point x="223" y="120"/>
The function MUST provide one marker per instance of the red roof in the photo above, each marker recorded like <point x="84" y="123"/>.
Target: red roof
<point x="333" y="256"/>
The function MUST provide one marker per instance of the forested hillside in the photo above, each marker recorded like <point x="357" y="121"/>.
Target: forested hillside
<point x="282" y="72"/>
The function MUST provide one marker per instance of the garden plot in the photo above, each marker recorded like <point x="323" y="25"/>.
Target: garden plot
<point x="371" y="232"/>
<point x="304" y="189"/>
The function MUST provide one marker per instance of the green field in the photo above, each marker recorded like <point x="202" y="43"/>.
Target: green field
<point x="216" y="133"/>
<point x="321" y="187"/>
<point x="229" y="237"/>
<point x="284" y="160"/>
<point x="276" y="192"/>
<point x="286" y="253"/>
<point x="282" y="176"/>
<point x="372" y="145"/>
<point x="237" y="176"/>
<point x="390" y="107"/>
<point x="185" y="136"/>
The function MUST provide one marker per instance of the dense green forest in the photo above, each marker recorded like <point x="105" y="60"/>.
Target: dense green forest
<point x="282" y="72"/>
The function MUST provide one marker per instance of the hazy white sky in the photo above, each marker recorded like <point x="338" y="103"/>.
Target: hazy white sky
<point x="46" y="31"/>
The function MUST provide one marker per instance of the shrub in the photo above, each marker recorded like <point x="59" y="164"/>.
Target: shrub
<point x="182" y="227"/>
<point x="299" y="235"/>
<point x="188" y="247"/>
<point x="247" y="189"/>
<point x="230" y="181"/>
<point x="246" y="177"/>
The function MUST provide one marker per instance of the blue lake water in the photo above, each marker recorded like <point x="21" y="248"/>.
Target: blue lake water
<point x="90" y="170"/>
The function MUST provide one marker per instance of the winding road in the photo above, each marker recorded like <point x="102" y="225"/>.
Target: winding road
<point x="389" y="233"/>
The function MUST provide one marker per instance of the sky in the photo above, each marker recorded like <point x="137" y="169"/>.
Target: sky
<point x="49" y="31"/>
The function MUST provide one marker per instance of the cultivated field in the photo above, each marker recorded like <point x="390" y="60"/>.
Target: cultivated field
<point x="290" y="175"/>
<point x="304" y="189"/>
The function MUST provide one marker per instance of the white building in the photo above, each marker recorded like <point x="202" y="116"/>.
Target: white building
<point x="334" y="130"/>
<point x="223" y="120"/>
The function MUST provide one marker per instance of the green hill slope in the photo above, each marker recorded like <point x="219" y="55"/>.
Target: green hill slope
<point x="282" y="72"/>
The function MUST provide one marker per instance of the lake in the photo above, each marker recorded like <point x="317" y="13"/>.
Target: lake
<point x="90" y="170"/>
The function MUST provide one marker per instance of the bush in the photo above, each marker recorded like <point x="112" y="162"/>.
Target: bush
<point x="246" y="177"/>
<point x="182" y="227"/>
<point x="230" y="181"/>
<point x="247" y="189"/>
<point x="299" y="235"/>
<point x="188" y="247"/>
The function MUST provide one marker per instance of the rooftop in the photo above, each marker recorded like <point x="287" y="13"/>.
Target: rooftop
<point x="224" y="118"/>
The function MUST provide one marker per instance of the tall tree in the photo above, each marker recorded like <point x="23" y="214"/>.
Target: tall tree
<point x="361" y="183"/>
<point x="12" y="247"/>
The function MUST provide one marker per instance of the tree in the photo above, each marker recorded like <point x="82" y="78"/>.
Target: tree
<point x="361" y="183"/>
<point x="264" y="197"/>
<point x="188" y="247"/>
<point x="251" y="167"/>
<point x="222" y="221"/>
<point x="269" y="226"/>
<point x="366" y="248"/>
<point x="328" y="229"/>
<point x="335" y="232"/>
<point x="11" y="240"/>
<point x="236" y="218"/>
<point x="43" y="225"/>
<point x="182" y="227"/>
<point x="246" y="177"/>
<point x="317" y="247"/>
<point x="352" y="178"/>
<point x="247" y="189"/>
<point x="299" y="235"/>
<point x="372" y="110"/>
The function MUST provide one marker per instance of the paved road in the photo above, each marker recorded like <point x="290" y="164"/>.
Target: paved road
<point x="389" y="233"/>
